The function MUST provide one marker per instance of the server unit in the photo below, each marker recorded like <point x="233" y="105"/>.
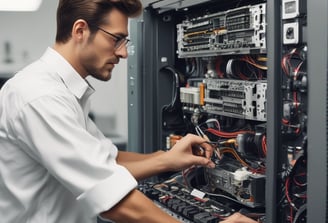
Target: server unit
<point x="241" y="74"/>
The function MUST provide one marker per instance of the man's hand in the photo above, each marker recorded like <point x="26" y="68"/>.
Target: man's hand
<point x="238" y="218"/>
<point x="188" y="151"/>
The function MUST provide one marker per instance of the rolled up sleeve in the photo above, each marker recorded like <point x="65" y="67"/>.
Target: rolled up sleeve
<point x="107" y="193"/>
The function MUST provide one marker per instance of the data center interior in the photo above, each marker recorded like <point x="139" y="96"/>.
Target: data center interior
<point x="251" y="75"/>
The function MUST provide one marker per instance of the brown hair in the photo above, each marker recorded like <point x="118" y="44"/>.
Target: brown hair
<point x="92" y="11"/>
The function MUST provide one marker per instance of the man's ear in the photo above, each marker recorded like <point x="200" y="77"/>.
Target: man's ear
<point x="80" y="30"/>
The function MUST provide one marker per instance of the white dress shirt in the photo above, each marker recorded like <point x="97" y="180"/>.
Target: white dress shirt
<point x="55" y="165"/>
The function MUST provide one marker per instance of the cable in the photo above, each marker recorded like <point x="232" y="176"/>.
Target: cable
<point x="227" y="134"/>
<point x="172" y="114"/>
<point x="300" y="211"/>
<point x="237" y="157"/>
<point x="176" y="85"/>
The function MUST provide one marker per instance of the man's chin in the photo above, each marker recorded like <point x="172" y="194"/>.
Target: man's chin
<point x="103" y="77"/>
<point x="107" y="77"/>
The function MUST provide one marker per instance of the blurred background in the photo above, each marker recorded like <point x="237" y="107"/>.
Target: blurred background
<point x="24" y="37"/>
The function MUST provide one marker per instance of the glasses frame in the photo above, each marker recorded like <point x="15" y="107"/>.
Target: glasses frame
<point x="119" y="40"/>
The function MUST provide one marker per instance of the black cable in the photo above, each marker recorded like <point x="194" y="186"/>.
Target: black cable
<point x="300" y="211"/>
<point x="175" y="87"/>
<point x="172" y="114"/>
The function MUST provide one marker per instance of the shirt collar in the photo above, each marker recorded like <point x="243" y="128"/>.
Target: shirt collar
<point x="71" y="78"/>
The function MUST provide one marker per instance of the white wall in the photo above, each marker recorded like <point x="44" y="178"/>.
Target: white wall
<point x="29" y="33"/>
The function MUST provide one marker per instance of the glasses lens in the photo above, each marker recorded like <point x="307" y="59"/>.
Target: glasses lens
<point x="121" y="42"/>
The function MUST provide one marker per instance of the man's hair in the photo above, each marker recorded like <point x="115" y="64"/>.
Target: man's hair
<point x="92" y="11"/>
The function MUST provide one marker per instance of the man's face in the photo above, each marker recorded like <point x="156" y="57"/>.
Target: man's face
<point x="100" y="54"/>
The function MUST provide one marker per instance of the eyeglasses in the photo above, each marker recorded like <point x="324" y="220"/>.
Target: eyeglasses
<point x="119" y="40"/>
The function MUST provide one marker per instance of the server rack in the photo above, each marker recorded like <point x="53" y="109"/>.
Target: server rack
<point x="152" y="35"/>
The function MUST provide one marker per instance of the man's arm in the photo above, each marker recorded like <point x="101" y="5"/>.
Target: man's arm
<point x="140" y="165"/>
<point x="136" y="207"/>
<point x="180" y="157"/>
<point x="124" y="156"/>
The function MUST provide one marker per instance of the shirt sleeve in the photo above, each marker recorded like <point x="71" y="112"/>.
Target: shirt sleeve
<point x="53" y="131"/>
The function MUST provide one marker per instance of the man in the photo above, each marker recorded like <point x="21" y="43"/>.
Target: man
<point x="55" y="165"/>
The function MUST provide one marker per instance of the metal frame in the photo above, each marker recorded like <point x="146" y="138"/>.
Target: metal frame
<point x="274" y="107"/>
<point x="146" y="91"/>
<point x="134" y="88"/>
